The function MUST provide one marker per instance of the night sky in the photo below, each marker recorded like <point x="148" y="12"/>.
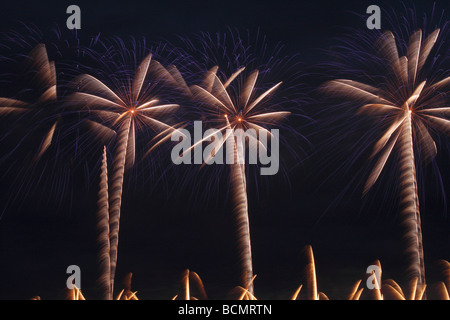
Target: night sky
<point x="165" y="230"/>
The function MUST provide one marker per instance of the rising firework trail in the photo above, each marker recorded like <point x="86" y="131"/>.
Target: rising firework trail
<point x="103" y="230"/>
<point x="127" y="108"/>
<point x="412" y="107"/>
<point x="229" y="108"/>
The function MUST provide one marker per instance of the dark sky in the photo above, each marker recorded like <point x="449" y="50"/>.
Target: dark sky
<point x="299" y="24"/>
<point x="162" y="235"/>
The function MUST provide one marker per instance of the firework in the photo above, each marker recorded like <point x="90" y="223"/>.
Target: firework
<point x="192" y="277"/>
<point x="129" y="107"/>
<point x="237" y="90"/>
<point x="46" y="77"/>
<point x="41" y="133"/>
<point x="75" y="294"/>
<point x="388" y="289"/>
<point x="39" y="123"/>
<point x="311" y="275"/>
<point x="311" y="279"/>
<point x="383" y="289"/>
<point x="410" y="106"/>
<point x="103" y="230"/>
<point x="124" y="294"/>
<point x="356" y="291"/>
<point x="231" y="56"/>
<point x="228" y="113"/>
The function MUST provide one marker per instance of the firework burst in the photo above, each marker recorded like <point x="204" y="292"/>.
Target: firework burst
<point x="411" y="107"/>
<point x="40" y="137"/>
<point x="229" y="108"/>
<point x="125" y="109"/>
<point x="230" y="57"/>
<point x="237" y="89"/>
<point x="46" y="76"/>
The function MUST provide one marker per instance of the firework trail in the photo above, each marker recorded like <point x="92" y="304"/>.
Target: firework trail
<point x="310" y="278"/>
<point x="103" y="230"/>
<point x="311" y="275"/>
<point x="355" y="294"/>
<point x="237" y="94"/>
<point x="190" y="280"/>
<point x="75" y="294"/>
<point x="388" y="289"/>
<point x="247" y="112"/>
<point x="443" y="287"/>
<point x="240" y="210"/>
<point x="126" y="293"/>
<point x="413" y="106"/>
<point x="128" y="109"/>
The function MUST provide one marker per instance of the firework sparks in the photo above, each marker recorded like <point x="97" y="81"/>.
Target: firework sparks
<point x="192" y="279"/>
<point x="124" y="294"/>
<point x="356" y="293"/>
<point x="228" y="113"/>
<point x="46" y="77"/>
<point x="128" y="109"/>
<point x="311" y="275"/>
<point x="103" y="230"/>
<point x="388" y="289"/>
<point x="75" y="294"/>
<point x="411" y="105"/>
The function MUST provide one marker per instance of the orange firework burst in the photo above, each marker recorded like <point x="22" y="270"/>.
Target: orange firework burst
<point x="132" y="106"/>
<point x="46" y="75"/>
<point x="231" y="108"/>
<point x="411" y="105"/>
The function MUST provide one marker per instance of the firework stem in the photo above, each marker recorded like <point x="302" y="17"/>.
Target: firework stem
<point x="103" y="228"/>
<point x="116" y="192"/>
<point x="240" y="211"/>
<point x="409" y="201"/>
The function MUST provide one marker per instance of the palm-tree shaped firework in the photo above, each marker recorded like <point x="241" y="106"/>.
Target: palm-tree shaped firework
<point x="130" y="106"/>
<point x="411" y="106"/>
<point x="229" y="108"/>
<point x="45" y="77"/>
